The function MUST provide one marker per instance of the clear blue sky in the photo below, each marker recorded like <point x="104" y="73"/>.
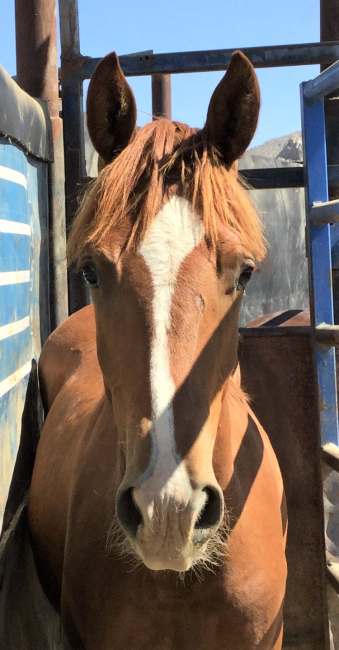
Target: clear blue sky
<point x="180" y="25"/>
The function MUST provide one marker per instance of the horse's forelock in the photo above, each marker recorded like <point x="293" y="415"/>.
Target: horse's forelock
<point x="164" y="153"/>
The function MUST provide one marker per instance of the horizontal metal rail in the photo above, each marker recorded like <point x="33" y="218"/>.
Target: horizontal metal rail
<point x="323" y="213"/>
<point x="324" y="84"/>
<point x="273" y="178"/>
<point x="276" y="332"/>
<point x="330" y="455"/>
<point x="327" y="335"/>
<point x="264" y="179"/>
<point x="324" y="53"/>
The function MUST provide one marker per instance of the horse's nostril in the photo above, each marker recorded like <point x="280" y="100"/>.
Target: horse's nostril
<point x="128" y="513"/>
<point x="212" y="511"/>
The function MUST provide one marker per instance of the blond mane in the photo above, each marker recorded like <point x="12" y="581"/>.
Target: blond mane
<point x="164" y="154"/>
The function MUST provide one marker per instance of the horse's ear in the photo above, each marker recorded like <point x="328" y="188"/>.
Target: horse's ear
<point x="111" y="109"/>
<point x="234" y="109"/>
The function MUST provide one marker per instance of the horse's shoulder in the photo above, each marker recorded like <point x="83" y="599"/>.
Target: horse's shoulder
<point x="64" y="350"/>
<point x="246" y="425"/>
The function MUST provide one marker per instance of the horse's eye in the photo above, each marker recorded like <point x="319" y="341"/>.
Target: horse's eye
<point x="245" y="276"/>
<point x="90" y="276"/>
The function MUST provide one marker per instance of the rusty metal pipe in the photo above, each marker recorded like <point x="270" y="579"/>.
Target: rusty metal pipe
<point x="37" y="74"/>
<point x="75" y="166"/>
<point x="69" y="28"/>
<point x="161" y="96"/>
<point x="36" y="50"/>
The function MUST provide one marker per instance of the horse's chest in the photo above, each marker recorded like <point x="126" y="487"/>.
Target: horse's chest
<point x="144" y="616"/>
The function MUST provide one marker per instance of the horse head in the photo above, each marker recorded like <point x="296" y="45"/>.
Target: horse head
<point x="167" y="239"/>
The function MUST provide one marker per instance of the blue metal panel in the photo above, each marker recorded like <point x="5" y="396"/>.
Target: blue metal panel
<point x="14" y="251"/>
<point x="320" y="261"/>
<point x="15" y="352"/>
<point x="13" y="201"/>
<point x="12" y="157"/>
<point x="14" y="302"/>
<point x="10" y="428"/>
<point x="19" y="296"/>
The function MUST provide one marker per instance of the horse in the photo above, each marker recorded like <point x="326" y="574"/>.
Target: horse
<point x="156" y="511"/>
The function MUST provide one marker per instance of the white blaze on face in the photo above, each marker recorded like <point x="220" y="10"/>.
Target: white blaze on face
<point x="175" y="232"/>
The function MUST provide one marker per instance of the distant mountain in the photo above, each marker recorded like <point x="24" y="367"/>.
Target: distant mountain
<point x="288" y="147"/>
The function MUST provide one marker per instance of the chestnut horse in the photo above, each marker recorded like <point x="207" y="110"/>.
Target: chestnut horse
<point x="156" y="509"/>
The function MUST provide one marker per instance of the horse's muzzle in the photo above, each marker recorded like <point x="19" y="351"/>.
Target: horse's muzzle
<point x="168" y="532"/>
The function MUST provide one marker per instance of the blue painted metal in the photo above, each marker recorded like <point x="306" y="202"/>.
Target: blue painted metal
<point x="15" y="196"/>
<point x="14" y="302"/>
<point x="325" y="83"/>
<point x="335" y="245"/>
<point x="14" y="252"/>
<point x="20" y="207"/>
<point x="319" y="245"/>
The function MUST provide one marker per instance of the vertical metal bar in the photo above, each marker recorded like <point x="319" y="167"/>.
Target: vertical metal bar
<point x="72" y="111"/>
<point x="329" y="31"/>
<point x="320" y="264"/>
<point x="69" y="28"/>
<point x="161" y="96"/>
<point x="319" y="244"/>
<point x="37" y="74"/>
<point x="37" y="65"/>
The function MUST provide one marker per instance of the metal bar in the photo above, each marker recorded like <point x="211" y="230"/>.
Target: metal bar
<point x="215" y="60"/>
<point x="319" y="260"/>
<point x="330" y="455"/>
<point x="271" y="177"/>
<point x="263" y="179"/>
<point x="37" y="65"/>
<point x="329" y="20"/>
<point x="274" y="177"/>
<point x="329" y="31"/>
<point x="161" y="96"/>
<point x="57" y="228"/>
<point x="74" y="146"/>
<point x="327" y="335"/>
<point x="37" y="74"/>
<point x="325" y="83"/>
<point x="276" y="332"/>
<point x="76" y="56"/>
<point x="324" y="213"/>
<point x="69" y="28"/>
